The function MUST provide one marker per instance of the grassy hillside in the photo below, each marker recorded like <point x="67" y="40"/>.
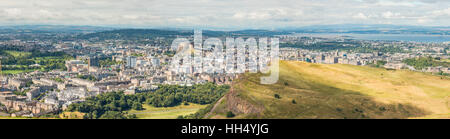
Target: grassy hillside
<point x="338" y="91"/>
<point x="151" y="112"/>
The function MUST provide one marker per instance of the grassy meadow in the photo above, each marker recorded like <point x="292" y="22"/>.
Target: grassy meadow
<point x="151" y="112"/>
<point x="18" y="54"/>
<point x="341" y="91"/>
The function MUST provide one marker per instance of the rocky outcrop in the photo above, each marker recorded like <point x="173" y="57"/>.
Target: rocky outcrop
<point x="238" y="105"/>
<point x="235" y="104"/>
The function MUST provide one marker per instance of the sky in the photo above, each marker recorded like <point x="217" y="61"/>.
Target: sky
<point x="238" y="14"/>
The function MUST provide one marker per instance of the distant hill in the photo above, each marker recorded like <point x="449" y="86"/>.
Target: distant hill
<point x="340" y="91"/>
<point x="344" y="28"/>
<point x="331" y="28"/>
<point x="132" y="34"/>
<point x="371" y="29"/>
<point x="152" y="33"/>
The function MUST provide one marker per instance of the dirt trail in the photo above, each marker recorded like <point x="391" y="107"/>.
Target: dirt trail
<point x="217" y="103"/>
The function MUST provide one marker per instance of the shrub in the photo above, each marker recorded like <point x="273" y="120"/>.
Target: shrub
<point x="230" y="114"/>
<point x="132" y="116"/>
<point x="277" y="96"/>
<point x="180" y="117"/>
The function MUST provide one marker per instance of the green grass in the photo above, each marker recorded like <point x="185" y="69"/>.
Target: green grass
<point x="344" y="91"/>
<point x="15" y="71"/>
<point x="151" y="112"/>
<point x="18" y="54"/>
<point x="445" y="60"/>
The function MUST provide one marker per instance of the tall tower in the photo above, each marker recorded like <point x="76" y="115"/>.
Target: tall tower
<point x="89" y="64"/>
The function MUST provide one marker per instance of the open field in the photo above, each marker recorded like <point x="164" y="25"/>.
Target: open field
<point x="339" y="91"/>
<point x="151" y="112"/>
<point x="18" y="54"/>
<point x="71" y="115"/>
<point x="15" y="71"/>
<point x="445" y="60"/>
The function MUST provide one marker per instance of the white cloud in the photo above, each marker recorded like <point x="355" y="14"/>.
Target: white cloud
<point x="12" y="12"/>
<point x="390" y="14"/>
<point x="395" y="4"/>
<point x="219" y="13"/>
<point x="444" y="12"/>
<point x="360" y="16"/>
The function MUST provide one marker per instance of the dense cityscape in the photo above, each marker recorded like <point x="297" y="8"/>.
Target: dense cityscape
<point x="224" y="68"/>
<point x="46" y="76"/>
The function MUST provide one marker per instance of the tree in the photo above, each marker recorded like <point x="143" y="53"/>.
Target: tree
<point x="137" y="106"/>
<point x="180" y="117"/>
<point x="132" y="116"/>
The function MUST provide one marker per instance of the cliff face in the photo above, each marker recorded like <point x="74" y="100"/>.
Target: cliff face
<point x="232" y="102"/>
<point x="239" y="105"/>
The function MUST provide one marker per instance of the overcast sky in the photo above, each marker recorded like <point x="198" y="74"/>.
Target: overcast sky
<point x="224" y="13"/>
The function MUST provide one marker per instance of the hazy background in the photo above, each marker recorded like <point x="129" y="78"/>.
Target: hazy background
<point x="234" y="14"/>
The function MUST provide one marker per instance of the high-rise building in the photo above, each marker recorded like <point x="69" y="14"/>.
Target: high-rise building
<point x="93" y="61"/>
<point x="131" y="62"/>
<point x="155" y="61"/>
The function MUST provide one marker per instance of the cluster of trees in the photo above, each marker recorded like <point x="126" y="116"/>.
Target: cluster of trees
<point x="423" y="62"/>
<point x="169" y="53"/>
<point x="172" y="95"/>
<point x="108" y="62"/>
<point x="21" y="93"/>
<point x="378" y="64"/>
<point x="442" y="73"/>
<point x="88" y="77"/>
<point x="165" y="96"/>
<point x="137" y="55"/>
<point x="58" y="80"/>
<point x="20" y="67"/>
<point x="108" y="105"/>
<point x="47" y="60"/>
<point x="37" y="53"/>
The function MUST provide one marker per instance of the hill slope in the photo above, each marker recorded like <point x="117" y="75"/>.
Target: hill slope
<point x="338" y="91"/>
